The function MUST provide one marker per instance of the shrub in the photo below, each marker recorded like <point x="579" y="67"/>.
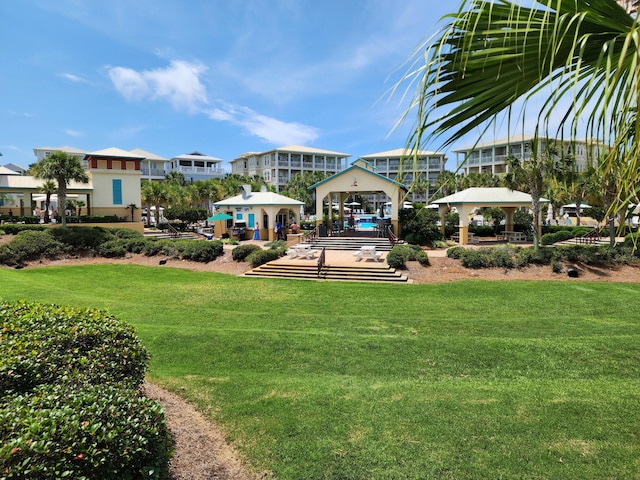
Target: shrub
<point x="31" y="245"/>
<point x="556" y="266"/>
<point x="14" y="229"/>
<point x="126" y="233"/>
<point x="91" y="432"/>
<point x="51" y="344"/>
<point x="241" y="252"/>
<point x="488" y="257"/>
<point x="528" y="256"/>
<point x="134" y="244"/>
<point x="83" y="238"/>
<point x="559" y="236"/>
<point x="201" y="250"/>
<point x="456" y="252"/>
<point x="166" y="247"/>
<point x="261" y="257"/>
<point x="399" y="254"/>
<point x="112" y="249"/>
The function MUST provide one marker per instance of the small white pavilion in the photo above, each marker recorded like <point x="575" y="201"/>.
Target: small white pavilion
<point x="263" y="208"/>
<point x="467" y="200"/>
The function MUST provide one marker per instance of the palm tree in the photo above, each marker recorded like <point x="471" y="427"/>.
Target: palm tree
<point x="80" y="205"/>
<point x="582" y="55"/>
<point x="63" y="168"/>
<point x="154" y="194"/>
<point x="48" y="187"/>
<point x="530" y="175"/>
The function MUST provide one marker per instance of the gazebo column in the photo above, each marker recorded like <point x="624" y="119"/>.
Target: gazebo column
<point x="508" y="224"/>
<point x="463" y="224"/>
<point x="442" y="211"/>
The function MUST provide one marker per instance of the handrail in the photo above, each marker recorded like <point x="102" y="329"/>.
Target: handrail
<point x="309" y="237"/>
<point x="173" y="233"/>
<point x="393" y="238"/>
<point x="590" y="237"/>
<point x="321" y="260"/>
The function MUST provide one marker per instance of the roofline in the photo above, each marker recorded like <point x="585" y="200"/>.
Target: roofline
<point x="401" y="185"/>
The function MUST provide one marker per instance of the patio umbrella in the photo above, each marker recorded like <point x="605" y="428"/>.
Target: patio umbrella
<point x="221" y="218"/>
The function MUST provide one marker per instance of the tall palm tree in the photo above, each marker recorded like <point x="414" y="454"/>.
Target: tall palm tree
<point x="580" y="56"/>
<point x="48" y="187"/>
<point x="63" y="168"/>
<point x="530" y="175"/>
<point x="154" y="194"/>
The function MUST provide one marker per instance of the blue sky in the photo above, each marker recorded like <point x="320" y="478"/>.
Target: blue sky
<point x="222" y="77"/>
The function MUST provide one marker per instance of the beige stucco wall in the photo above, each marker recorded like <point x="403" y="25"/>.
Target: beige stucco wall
<point x="103" y="191"/>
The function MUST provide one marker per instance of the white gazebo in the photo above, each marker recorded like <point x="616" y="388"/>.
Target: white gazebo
<point x="466" y="200"/>
<point x="360" y="178"/>
<point x="262" y="208"/>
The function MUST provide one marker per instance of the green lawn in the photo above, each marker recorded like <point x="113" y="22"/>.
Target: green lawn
<point x="487" y="380"/>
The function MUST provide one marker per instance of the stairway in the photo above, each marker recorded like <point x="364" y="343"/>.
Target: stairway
<point x="159" y="234"/>
<point x="351" y="243"/>
<point x="346" y="273"/>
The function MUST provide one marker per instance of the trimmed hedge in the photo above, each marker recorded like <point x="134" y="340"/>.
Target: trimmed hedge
<point x="69" y="400"/>
<point x="49" y="344"/>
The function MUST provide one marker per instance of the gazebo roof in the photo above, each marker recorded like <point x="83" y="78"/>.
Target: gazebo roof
<point x="259" y="199"/>
<point x="488" y="196"/>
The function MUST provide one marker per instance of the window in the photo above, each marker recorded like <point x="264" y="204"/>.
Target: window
<point x="116" y="185"/>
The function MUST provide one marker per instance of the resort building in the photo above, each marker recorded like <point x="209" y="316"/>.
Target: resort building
<point x="152" y="166"/>
<point x="196" y="166"/>
<point x="492" y="157"/>
<point x="278" y="166"/>
<point x="43" y="152"/>
<point x="403" y="166"/>
<point x="114" y="185"/>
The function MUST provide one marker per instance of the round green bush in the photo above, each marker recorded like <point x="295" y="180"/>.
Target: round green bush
<point x="53" y="344"/>
<point x="242" y="251"/>
<point x="84" y="238"/>
<point x="261" y="257"/>
<point x="456" y="252"/>
<point x="99" y="432"/>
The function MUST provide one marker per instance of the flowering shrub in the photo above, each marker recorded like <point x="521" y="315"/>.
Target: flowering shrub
<point x="69" y="404"/>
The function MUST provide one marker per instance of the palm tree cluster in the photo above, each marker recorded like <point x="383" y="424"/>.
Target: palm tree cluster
<point x="579" y="59"/>
<point x="175" y="191"/>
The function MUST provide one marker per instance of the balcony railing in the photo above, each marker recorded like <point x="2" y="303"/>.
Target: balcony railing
<point x="199" y="170"/>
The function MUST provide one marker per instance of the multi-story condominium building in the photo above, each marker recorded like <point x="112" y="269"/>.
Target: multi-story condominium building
<point x="196" y="166"/>
<point x="153" y="167"/>
<point x="492" y="157"/>
<point x="392" y="163"/>
<point x="278" y="166"/>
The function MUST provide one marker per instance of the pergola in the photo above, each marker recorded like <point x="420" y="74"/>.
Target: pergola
<point x="466" y="200"/>
<point x="360" y="178"/>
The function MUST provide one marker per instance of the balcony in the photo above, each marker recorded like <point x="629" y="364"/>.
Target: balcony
<point x="212" y="171"/>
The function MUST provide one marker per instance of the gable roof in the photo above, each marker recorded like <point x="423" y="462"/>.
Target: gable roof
<point x="259" y="199"/>
<point x="487" y="196"/>
<point x="113" y="152"/>
<point x="351" y="169"/>
<point x="146" y="155"/>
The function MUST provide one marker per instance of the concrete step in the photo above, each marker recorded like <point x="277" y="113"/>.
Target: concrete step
<point x="166" y="236"/>
<point x="329" y="272"/>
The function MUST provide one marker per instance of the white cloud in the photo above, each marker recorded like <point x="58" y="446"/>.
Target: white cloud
<point x="73" y="78"/>
<point x="270" y="129"/>
<point x="73" y="133"/>
<point x="179" y="83"/>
